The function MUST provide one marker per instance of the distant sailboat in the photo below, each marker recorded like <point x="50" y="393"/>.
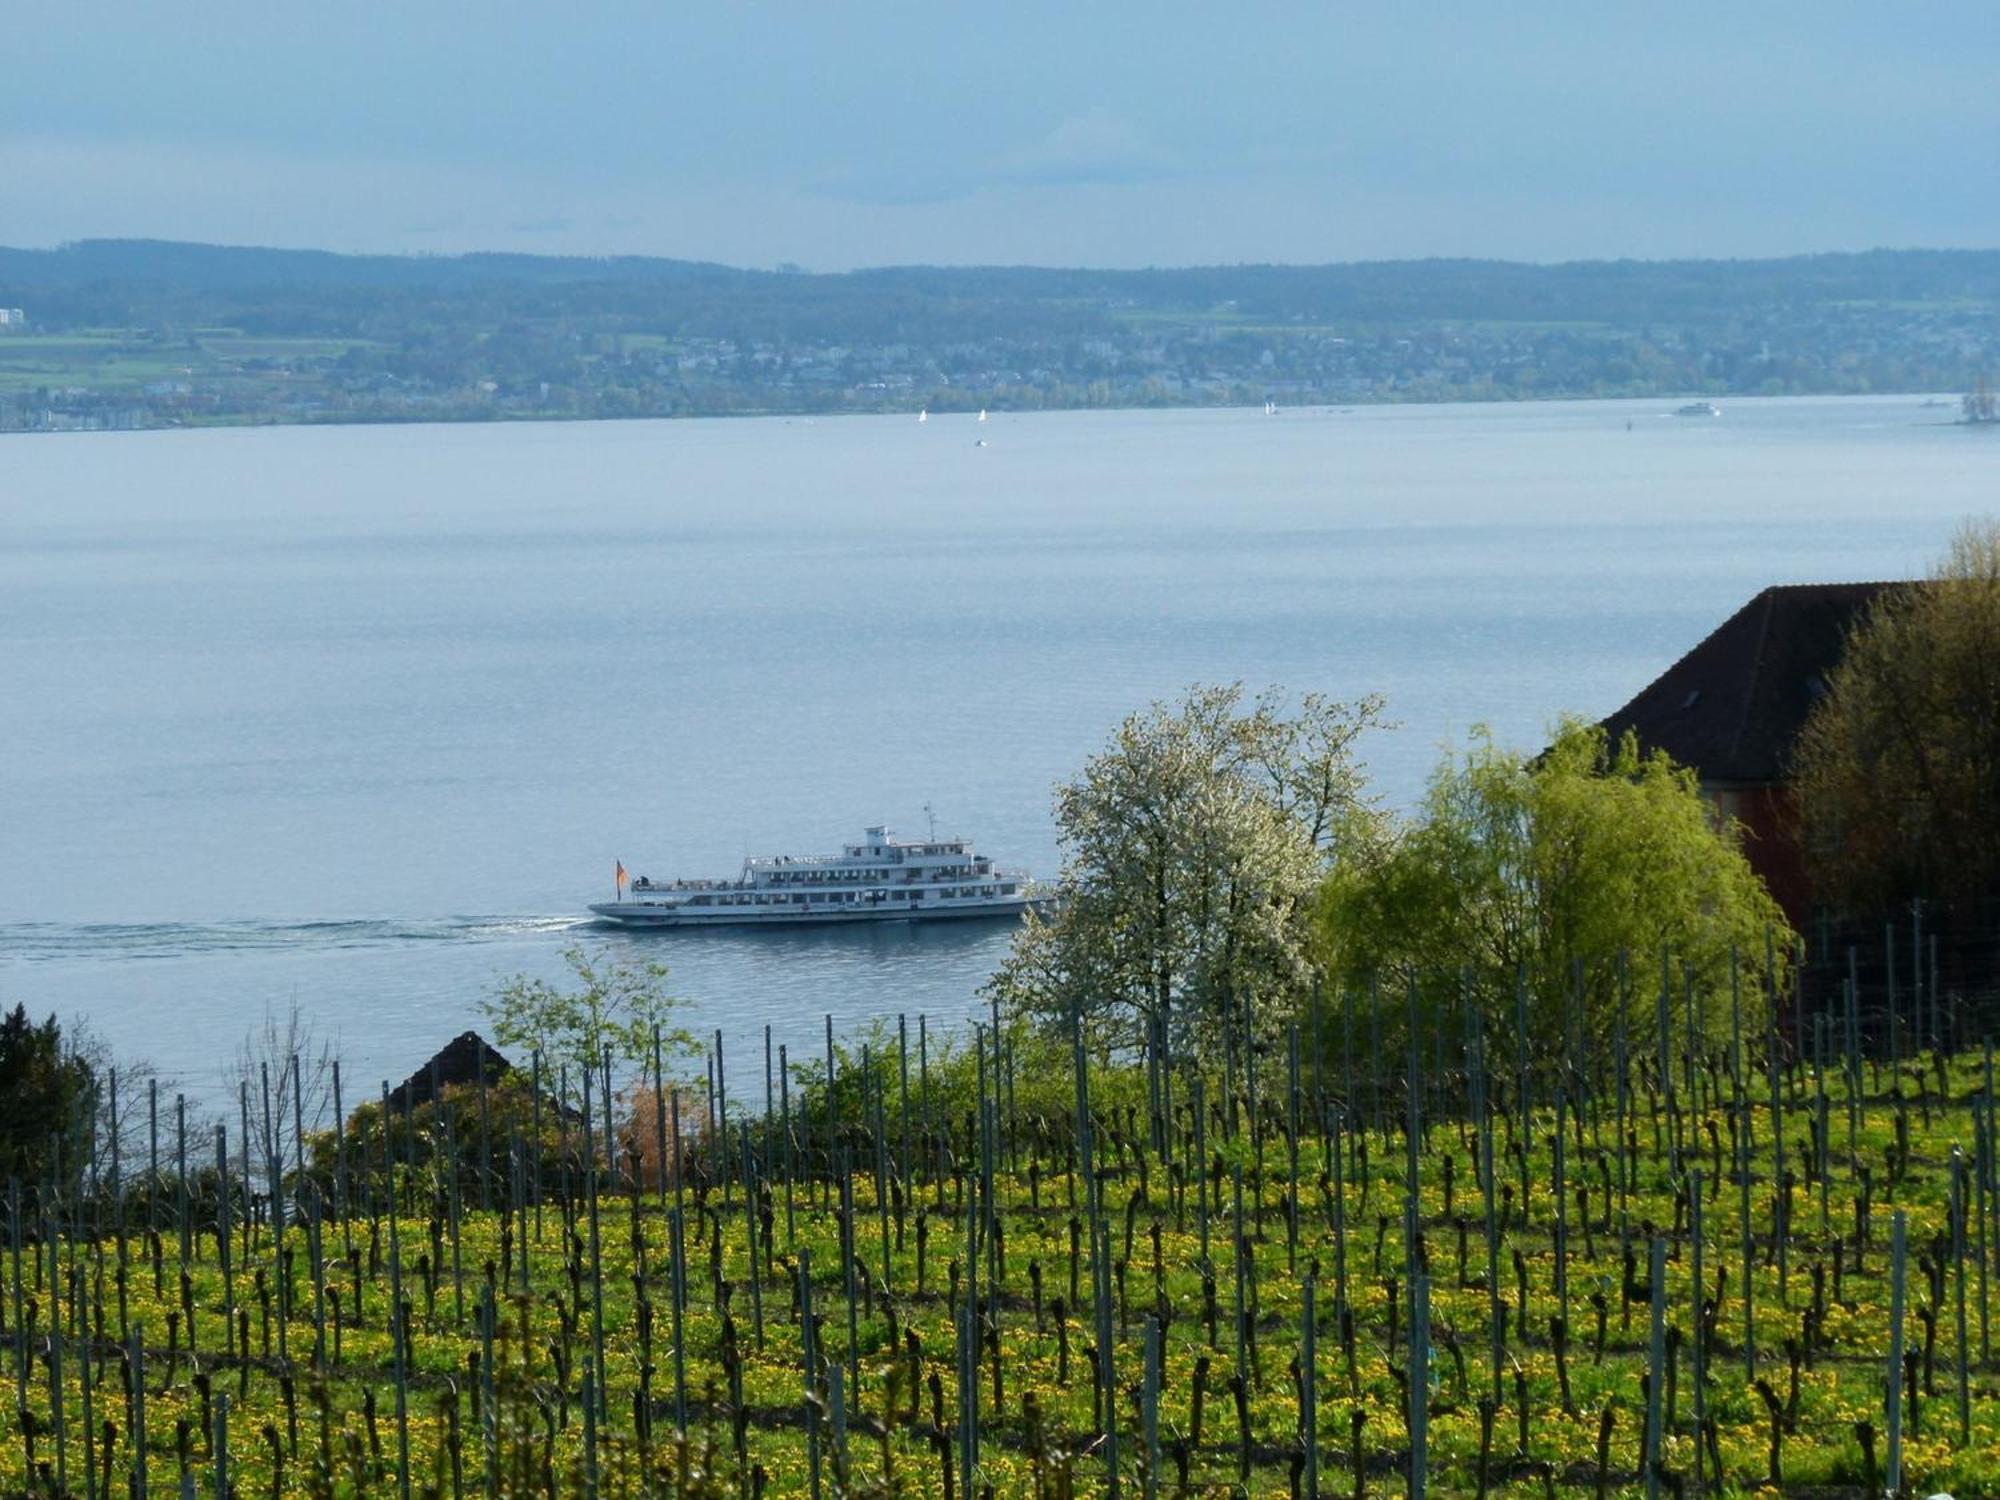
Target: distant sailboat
<point x="923" y="414"/>
<point x="1270" y="408"/>
<point x="982" y="414"/>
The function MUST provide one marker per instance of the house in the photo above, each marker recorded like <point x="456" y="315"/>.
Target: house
<point x="1734" y="705"/>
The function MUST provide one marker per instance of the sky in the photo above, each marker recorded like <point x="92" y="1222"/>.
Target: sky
<point x="1120" y="133"/>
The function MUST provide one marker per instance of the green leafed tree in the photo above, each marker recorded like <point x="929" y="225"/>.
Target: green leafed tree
<point x="1571" y="873"/>
<point x="1193" y="844"/>
<point x="608" y="1016"/>
<point x="1897" y="770"/>
<point x="45" y="1088"/>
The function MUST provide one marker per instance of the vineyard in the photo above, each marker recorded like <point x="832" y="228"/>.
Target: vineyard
<point x="1367" y="1253"/>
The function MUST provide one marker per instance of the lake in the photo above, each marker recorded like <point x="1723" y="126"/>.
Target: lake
<point x="360" y="718"/>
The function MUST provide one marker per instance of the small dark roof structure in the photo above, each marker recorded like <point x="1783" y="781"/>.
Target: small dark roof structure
<point x="464" y="1057"/>
<point x="1732" y="706"/>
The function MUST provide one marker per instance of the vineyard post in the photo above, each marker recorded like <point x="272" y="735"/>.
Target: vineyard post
<point x="1308" y="1386"/>
<point x="677" y="1243"/>
<point x="592" y="1393"/>
<point x="1347" y="1047"/>
<point x="1318" y="1061"/>
<point x="1742" y="1103"/>
<point x="1562" y="1208"/>
<point x="659" y="1120"/>
<point x="222" y="1242"/>
<point x="924" y="1081"/>
<point x="1983" y="1177"/>
<point x="221" y="1442"/>
<point x="1420" y="1383"/>
<point x="1292" y="1147"/>
<point x="1412" y="1208"/>
<point x="1239" y="1255"/>
<point x="1655" y="1370"/>
<point x="398" y="1327"/>
<point x="1781" y="1228"/>
<point x="770" y="1099"/>
<point x="1375" y="1054"/>
<point x="808" y="1355"/>
<point x="136" y="1353"/>
<point x="340" y="1162"/>
<point x="20" y="1328"/>
<point x="1958" y="1266"/>
<point x="1853" y="1049"/>
<point x="55" y="1354"/>
<point x="881" y="1199"/>
<point x="153" y="1150"/>
<point x="1622" y="1060"/>
<point x="1336" y="1147"/>
<point x="1496" y="1322"/>
<point x="785" y="1130"/>
<point x="78" y="1296"/>
<point x="535" y="1102"/>
<point x="845" y="1169"/>
<point x="832" y="1126"/>
<point x="1522" y="1110"/>
<point x="454" y="1207"/>
<point x="1895" y="1012"/>
<point x="1821" y="1046"/>
<point x="721" y="1118"/>
<point x="1198" y="1088"/>
<point x="489" y="1418"/>
<point x="187" y="1229"/>
<point x="1105" y="1353"/>
<point x="1149" y="1400"/>
<point x="1893" y="1385"/>
<point x="485" y="1138"/>
<point x="1700" y="1325"/>
<point x="902" y="1096"/>
<point x="596" y="1254"/>
<point x="753" y="1179"/>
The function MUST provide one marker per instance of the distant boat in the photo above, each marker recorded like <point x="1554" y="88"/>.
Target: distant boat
<point x="980" y="444"/>
<point x="1270" y="408"/>
<point x="1981" y="407"/>
<point x="881" y="878"/>
<point x="923" y="414"/>
<point x="982" y="414"/>
<point x="1698" y="409"/>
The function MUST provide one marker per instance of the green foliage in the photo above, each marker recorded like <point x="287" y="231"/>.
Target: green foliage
<point x="1572" y="873"/>
<point x="610" y="1017"/>
<point x="1192" y="846"/>
<point x="43" y="1086"/>
<point x="1898" y="767"/>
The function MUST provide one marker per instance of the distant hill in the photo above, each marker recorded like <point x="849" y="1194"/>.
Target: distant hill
<point x="136" y="332"/>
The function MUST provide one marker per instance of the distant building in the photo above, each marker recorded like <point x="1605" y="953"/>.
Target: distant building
<point x="1732" y="708"/>
<point x="13" y="317"/>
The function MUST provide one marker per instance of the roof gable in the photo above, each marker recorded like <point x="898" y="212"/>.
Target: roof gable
<point x="1732" y="706"/>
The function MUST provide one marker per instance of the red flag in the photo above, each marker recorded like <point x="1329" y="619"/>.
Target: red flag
<point x="621" y="874"/>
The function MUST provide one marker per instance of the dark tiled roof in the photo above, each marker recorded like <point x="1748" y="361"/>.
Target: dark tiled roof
<point x="1733" y="705"/>
<point x="461" y="1062"/>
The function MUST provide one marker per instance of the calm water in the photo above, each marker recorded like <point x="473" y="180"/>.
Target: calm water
<point x="361" y="717"/>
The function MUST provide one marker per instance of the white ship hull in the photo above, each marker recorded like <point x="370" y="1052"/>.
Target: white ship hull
<point x="652" y="914"/>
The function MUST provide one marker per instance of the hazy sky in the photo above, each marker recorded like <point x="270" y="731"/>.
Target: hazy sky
<point x="1129" y="132"/>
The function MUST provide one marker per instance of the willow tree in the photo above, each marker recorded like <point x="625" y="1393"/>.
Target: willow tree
<point x="1193" y="844"/>
<point x="1588" y="876"/>
<point x="1897" y="771"/>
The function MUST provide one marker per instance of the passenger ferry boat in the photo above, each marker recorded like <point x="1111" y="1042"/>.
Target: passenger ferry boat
<point x="881" y="879"/>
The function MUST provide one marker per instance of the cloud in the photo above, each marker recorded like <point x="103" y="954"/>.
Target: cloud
<point x="1098" y="145"/>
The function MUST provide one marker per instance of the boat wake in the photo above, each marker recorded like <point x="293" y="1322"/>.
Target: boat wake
<point x="51" y="941"/>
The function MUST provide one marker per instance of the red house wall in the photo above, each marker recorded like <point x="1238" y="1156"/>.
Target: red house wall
<point x="1771" y="843"/>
